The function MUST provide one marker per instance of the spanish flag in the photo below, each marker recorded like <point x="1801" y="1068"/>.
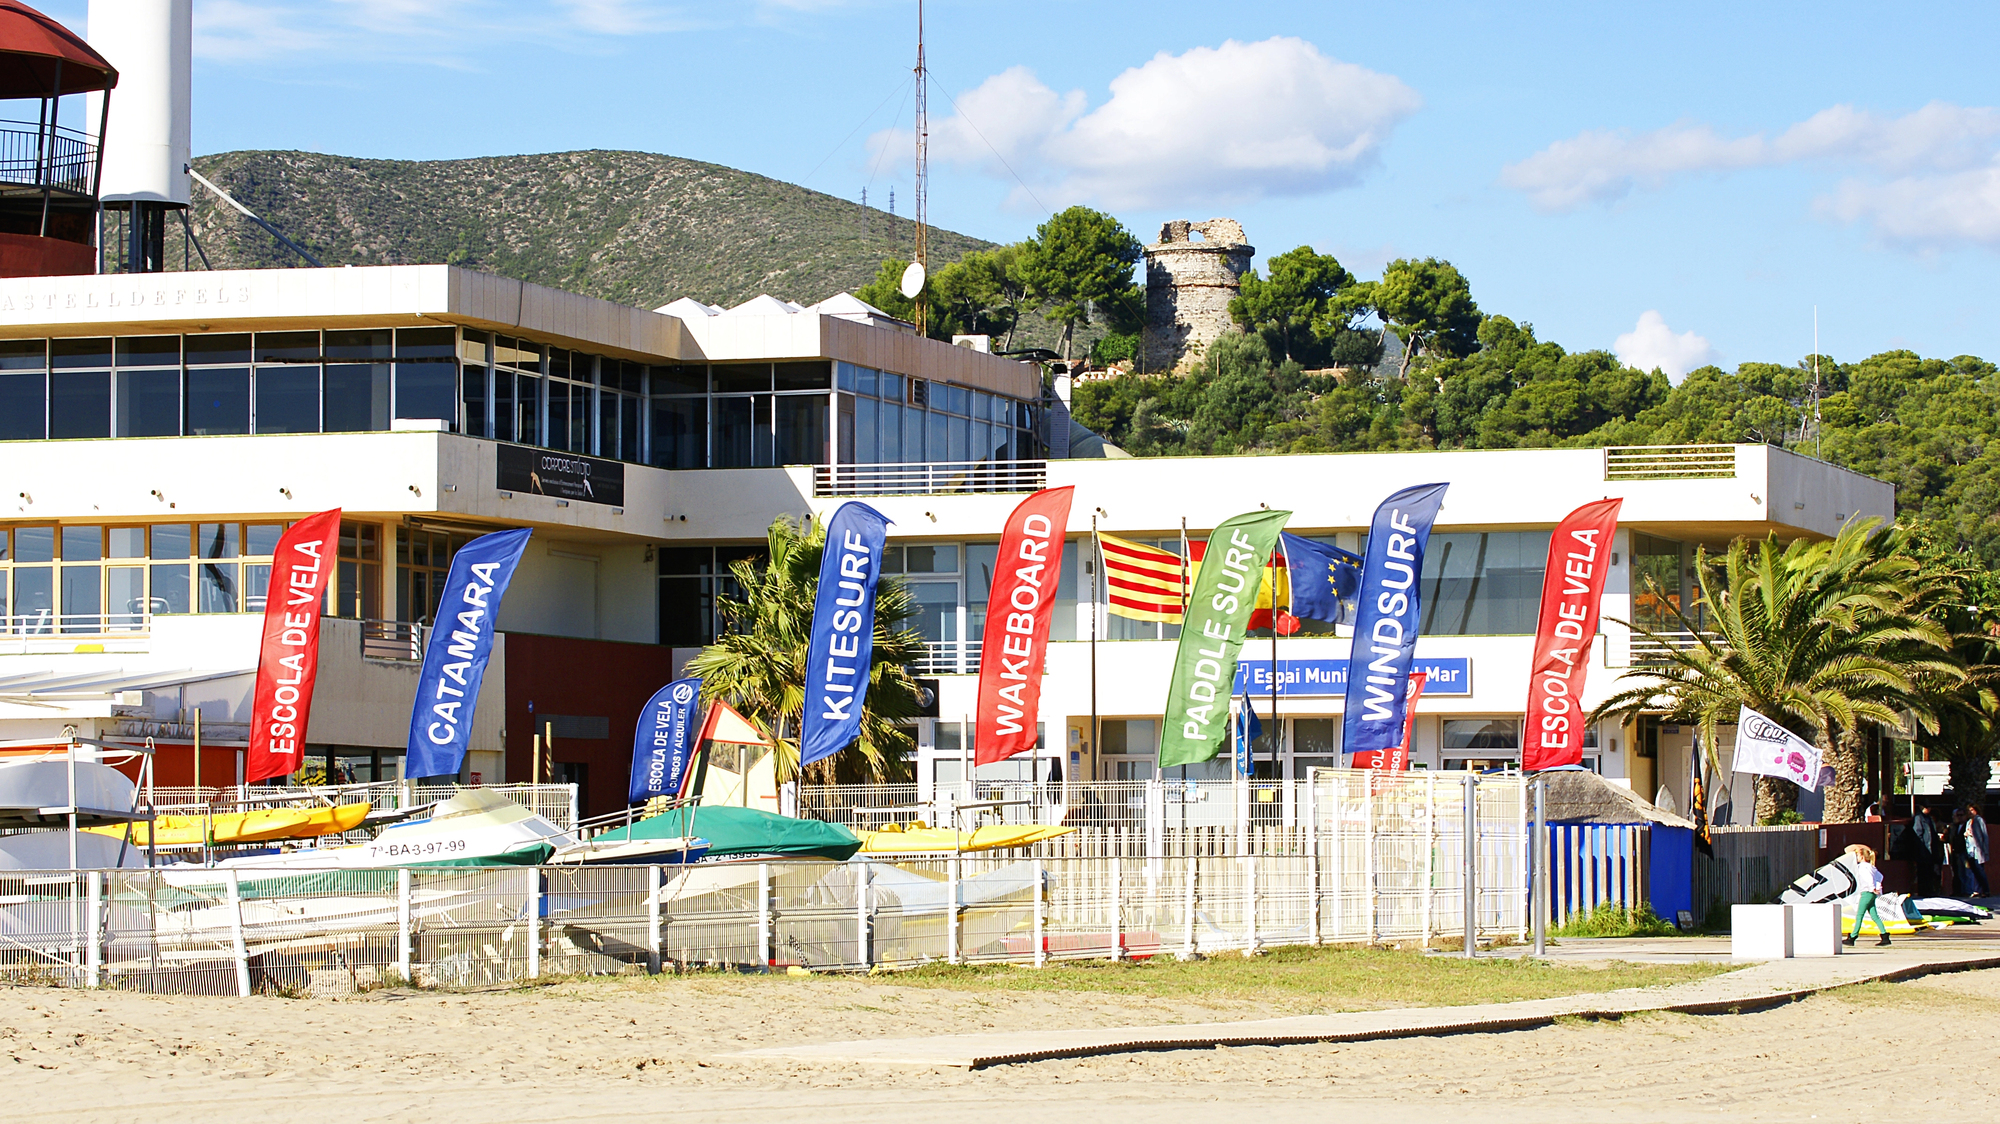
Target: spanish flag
<point x="1141" y="582"/>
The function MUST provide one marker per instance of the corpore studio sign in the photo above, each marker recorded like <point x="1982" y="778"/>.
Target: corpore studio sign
<point x="567" y="476"/>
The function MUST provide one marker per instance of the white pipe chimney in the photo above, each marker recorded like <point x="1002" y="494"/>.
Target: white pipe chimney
<point x="146" y="146"/>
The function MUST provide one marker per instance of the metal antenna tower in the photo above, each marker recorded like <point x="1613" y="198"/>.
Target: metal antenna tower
<point x="923" y="161"/>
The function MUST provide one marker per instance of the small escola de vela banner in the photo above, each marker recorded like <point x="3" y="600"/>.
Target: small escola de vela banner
<point x="842" y="647"/>
<point x="1387" y="620"/>
<point x="1196" y="718"/>
<point x="1026" y="573"/>
<point x="455" y="659"/>
<point x="663" y="741"/>
<point x="1572" y="591"/>
<point x="288" y="662"/>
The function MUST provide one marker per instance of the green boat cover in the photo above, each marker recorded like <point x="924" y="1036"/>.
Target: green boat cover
<point x="744" y="831"/>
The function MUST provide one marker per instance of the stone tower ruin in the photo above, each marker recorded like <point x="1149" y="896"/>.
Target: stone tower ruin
<point x="1192" y="273"/>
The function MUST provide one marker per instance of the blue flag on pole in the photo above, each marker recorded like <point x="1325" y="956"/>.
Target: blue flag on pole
<point x="1386" y="623"/>
<point x="1324" y="579"/>
<point x="663" y="743"/>
<point x="843" y="631"/>
<point x="1248" y="729"/>
<point x="455" y="658"/>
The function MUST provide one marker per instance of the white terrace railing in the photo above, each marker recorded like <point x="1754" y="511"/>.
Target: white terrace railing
<point x="1670" y="462"/>
<point x="929" y="478"/>
<point x="1659" y="647"/>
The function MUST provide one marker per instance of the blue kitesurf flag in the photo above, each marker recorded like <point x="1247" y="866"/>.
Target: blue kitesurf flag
<point x="1324" y="579"/>
<point x="1248" y="729"/>
<point x="843" y="631"/>
<point x="1385" y="623"/>
<point x="455" y="658"/>
<point x="664" y="741"/>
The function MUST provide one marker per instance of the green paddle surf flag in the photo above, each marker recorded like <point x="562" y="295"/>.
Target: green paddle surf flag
<point x="1196" y="720"/>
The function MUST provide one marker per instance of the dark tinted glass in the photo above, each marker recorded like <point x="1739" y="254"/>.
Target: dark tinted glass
<point x="149" y="403"/>
<point x="802" y="429"/>
<point x="631" y="376"/>
<point x="686" y="560"/>
<point x="23" y="355"/>
<point x="80" y="353"/>
<point x="474" y="382"/>
<point x="427" y="390"/>
<point x="524" y="354"/>
<point x="24" y="407"/>
<point x="528" y="400"/>
<point x="368" y="343"/>
<point x="680" y="380"/>
<point x="816" y="375"/>
<point x="564" y="364"/>
<point x="558" y="415"/>
<point x="218" y="401"/>
<point x="80" y="404"/>
<point x="356" y="397"/>
<point x="742" y="376"/>
<point x="216" y="540"/>
<point x="732" y="433"/>
<point x="233" y="347"/>
<point x="149" y="351"/>
<point x="287" y="347"/>
<point x="288" y="399"/>
<point x="680" y="432"/>
<point x="426" y="343"/>
<point x="503" y="406"/>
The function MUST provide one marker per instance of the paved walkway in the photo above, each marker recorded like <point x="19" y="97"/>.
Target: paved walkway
<point x="1759" y="985"/>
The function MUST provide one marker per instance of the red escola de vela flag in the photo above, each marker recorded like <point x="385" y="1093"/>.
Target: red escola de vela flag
<point x="1026" y="572"/>
<point x="289" y="660"/>
<point x="1572" y="592"/>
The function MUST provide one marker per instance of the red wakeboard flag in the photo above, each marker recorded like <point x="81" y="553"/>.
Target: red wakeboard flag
<point x="301" y="566"/>
<point x="1026" y="572"/>
<point x="1572" y="592"/>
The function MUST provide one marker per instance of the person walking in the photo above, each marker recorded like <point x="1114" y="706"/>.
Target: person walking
<point x="1861" y="860"/>
<point x="1976" y="852"/>
<point x="1926" y="851"/>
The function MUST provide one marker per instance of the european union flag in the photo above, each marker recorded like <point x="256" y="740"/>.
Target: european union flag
<point x="1324" y="579"/>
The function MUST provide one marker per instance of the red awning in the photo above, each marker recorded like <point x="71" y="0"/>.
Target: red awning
<point x="35" y="41"/>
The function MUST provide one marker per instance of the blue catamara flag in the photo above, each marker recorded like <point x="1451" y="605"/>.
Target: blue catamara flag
<point x="843" y="631"/>
<point x="663" y="743"/>
<point x="1385" y="622"/>
<point x="460" y="645"/>
<point x="1248" y="729"/>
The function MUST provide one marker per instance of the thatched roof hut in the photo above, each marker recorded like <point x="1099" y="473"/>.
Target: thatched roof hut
<point x="1579" y="796"/>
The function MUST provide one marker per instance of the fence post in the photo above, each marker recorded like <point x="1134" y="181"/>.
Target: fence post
<point x="1041" y="922"/>
<point x="1471" y="863"/>
<point x="1312" y="893"/>
<point x="403" y="935"/>
<point x="1431" y="837"/>
<point x="1369" y="854"/>
<point x="1538" y="892"/>
<point x="951" y="909"/>
<point x="1249" y="904"/>
<point x="534" y="922"/>
<point x="763" y="917"/>
<point x="1117" y="913"/>
<point x="242" y="953"/>
<point x="654" y="880"/>
<point x="1193" y="870"/>
<point x="1527" y="862"/>
<point x="864" y="952"/>
<point x="93" y="952"/>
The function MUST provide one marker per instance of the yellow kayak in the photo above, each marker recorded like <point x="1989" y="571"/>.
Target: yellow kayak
<point x="895" y="840"/>
<point x="259" y="826"/>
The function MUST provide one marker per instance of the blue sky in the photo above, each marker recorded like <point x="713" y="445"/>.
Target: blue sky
<point x="1682" y="184"/>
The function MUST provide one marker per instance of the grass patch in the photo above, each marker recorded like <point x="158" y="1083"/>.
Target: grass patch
<point x="1905" y="996"/>
<point x="1611" y="920"/>
<point x="1324" y="978"/>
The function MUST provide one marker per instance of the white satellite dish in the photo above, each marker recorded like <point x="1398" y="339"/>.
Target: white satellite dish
<point x="913" y="280"/>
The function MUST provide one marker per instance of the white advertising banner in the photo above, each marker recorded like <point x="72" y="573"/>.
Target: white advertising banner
<point x="1763" y="746"/>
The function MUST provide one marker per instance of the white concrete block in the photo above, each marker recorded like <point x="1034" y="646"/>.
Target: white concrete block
<point x="1760" y="932"/>
<point x="1816" y="929"/>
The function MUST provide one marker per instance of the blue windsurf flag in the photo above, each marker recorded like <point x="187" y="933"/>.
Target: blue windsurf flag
<point x="1248" y="729"/>
<point x="843" y="631"/>
<point x="460" y="645"/>
<point x="1324" y="579"/>
<point x="663" y="743"/>
<point x="1386" y="622"/>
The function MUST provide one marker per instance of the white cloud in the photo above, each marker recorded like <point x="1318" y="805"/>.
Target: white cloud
<point x="456" y="34"/>
<point x="1925" y="212"/>
<point x="1651" y="345"/>
<point x="1215" y="125"/>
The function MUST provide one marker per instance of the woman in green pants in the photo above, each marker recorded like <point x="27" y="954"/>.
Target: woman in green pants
<point x="1861" y="860"/>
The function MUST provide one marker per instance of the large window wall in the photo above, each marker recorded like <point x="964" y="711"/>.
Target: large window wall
<point x="886" y="418"/>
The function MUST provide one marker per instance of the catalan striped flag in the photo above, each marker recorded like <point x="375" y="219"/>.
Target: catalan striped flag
<point x="1142" y="582"/>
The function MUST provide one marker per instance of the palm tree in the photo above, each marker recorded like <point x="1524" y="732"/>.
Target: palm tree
<point x="759" y="665"/>
<point x="1819" y="637"/>
<point x="1966" y="600"/>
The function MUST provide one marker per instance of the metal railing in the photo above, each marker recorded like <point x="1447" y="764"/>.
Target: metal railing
<point x="63" y="159"/>
<point x="393" y="640"/>
<point x="1670" y="462"/>
<point x="134" y="620"/>
<point x="1659" y="647"/>
<point x="929" y="478"/>
<point x="948" y="657"/>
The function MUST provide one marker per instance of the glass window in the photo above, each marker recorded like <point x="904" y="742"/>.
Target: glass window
<point x="357" y="584"/>
<point x="287" y="347"/>
<point x="687" y="611"/>
<point x="364" y="344"/>
<point x="149" y="403"/>
<point x="82" y="544"/>
<point x="732" y="433"/>
<point x="959" y="433"/>
<point x="631" y="376"/>
<point x="581" y="414"/>
<point x="288" y="399"/>
<point x="80" y="404"/>
<point x="628" y="427"/>
<point x="171" y="540"/>
<point x="1656" y="583"/>
<point x="607" y="423"/>
<point x="34" y="544"/>
<point x="940" y="442"/>
<point x="427" y="390"/>
<point x="1481" y="733"/>
<point x="82" y="598"/>
<point x="802" y="425"/>
<point x="24" y="407"/>
<point x="937" y="609"/>
<point x="34" y="597"/>
<point x="524" y="355"/>
<point x="124" y="597"/>
<point x="890" y="387"/>
<point x="216" y="588"/>
<point x="561" y="367"/>
<point x="931" y="558"/>
<point x="472" y="346"/>
<point x="355" y="397"/>
<point x="979" y="561"/>
<point x="813" y="375"/>
<point x="216" y="540"/>
<point x="865" y="443"/>
<point x="261" y="539"/>
<point x="503" y="405"/>
<point x="1316" y="737"/>
<point x="558" y="413"/>
<point x="24" y="355"/>
<point x="149" y="351"/>
<point x="125" y="542"/>
<point x="170" y="588"/>
<point x="227" y="348"/>
<point x="1483" y="584"/>
<point x="890" y="451"/>
<point x="867" y="380"/>
<point x="680" y="432"/>
<point x="80" y="353"/>
<point x="528" y="400"/>
<point x="680" y="380"/>
<point x="741" y="376"/>
<point x="474" y="381"/>
<point x="218" y="400"/>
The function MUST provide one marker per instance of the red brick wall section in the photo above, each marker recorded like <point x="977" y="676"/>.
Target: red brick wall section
<point x="562" y="675"/>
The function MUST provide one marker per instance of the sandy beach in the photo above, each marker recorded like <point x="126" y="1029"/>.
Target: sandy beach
<point x="594" y="1049"/>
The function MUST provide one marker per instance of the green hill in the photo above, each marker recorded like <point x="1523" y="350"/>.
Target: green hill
<point x="633" y="227"/>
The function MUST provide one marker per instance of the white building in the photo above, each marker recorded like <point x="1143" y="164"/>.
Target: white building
<point x="157" y="431"/>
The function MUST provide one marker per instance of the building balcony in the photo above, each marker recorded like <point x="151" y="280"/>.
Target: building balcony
<point x="929" y="478"/>
<point x="34" y="157"/>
